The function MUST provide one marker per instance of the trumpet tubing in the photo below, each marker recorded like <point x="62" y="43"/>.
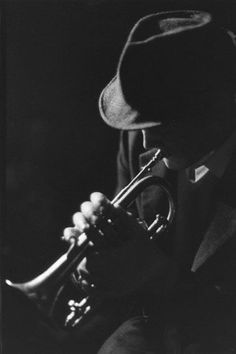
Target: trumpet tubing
<point x="43" y="288"/>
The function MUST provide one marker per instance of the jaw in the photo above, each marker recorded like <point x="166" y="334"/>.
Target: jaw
<point x="181" y="160"/>
<point x="174" y="163"/>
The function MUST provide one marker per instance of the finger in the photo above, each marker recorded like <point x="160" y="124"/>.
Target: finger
<point x="86" y="225"/>
<point x="106" y="225"/>
<point x="95" y="208"/>
<point x="100" y="201"/>
<point x="107" y="221"/>
<point x="90" y="212"/>
<point x="80" y="222"/>
<point x="70" y="233"/>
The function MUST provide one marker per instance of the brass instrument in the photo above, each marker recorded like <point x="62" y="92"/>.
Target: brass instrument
<point x="44" y="287"/>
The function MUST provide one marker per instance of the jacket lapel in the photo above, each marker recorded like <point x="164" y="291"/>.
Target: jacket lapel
<point x="221" y="229"/>
<point x="223" y="225"/>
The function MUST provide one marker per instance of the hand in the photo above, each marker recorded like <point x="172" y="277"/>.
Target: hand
<point x="130" y="264"/>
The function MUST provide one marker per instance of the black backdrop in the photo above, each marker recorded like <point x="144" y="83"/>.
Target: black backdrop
<point x="59" y="56"/>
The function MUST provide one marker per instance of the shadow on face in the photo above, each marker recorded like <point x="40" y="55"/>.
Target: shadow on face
<point x="193" y="132"/>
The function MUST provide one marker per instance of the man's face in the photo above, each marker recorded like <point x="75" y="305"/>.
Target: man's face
<point x="198" y="131"/>
<point x="182" y="145"/>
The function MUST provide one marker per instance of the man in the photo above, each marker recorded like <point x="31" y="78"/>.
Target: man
<point x="174" y="90"/>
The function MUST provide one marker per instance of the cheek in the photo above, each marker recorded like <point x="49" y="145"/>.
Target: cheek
<point x="185" y="148"/>
<point x="185" y="139"/>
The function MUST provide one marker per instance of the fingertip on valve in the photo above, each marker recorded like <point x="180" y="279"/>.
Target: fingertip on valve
<point x="99" y="199"/>
<point x="69" y="234"/>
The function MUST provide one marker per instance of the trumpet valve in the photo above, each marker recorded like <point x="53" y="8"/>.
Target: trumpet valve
<point x="159" y="225"/>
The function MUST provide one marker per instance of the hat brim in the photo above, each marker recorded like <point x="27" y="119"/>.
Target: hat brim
<point x="117" y="113"/>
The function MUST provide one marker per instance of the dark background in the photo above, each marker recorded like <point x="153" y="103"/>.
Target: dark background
<point x="59" y="55"/>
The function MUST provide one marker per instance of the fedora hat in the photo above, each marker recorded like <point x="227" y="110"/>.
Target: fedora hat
<point x="171" y="59"/>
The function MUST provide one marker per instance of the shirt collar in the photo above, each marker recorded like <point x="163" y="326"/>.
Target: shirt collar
<point x="216" y="161"/>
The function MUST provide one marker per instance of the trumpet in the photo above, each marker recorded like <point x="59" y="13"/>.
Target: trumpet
<point x="44" y="288"/>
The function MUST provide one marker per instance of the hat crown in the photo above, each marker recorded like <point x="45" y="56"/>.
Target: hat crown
<point x="170" y="59"/>
<point x="173" y="53"/>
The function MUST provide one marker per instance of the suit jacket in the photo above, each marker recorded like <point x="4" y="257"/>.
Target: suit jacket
<point x="203" y="242"/>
